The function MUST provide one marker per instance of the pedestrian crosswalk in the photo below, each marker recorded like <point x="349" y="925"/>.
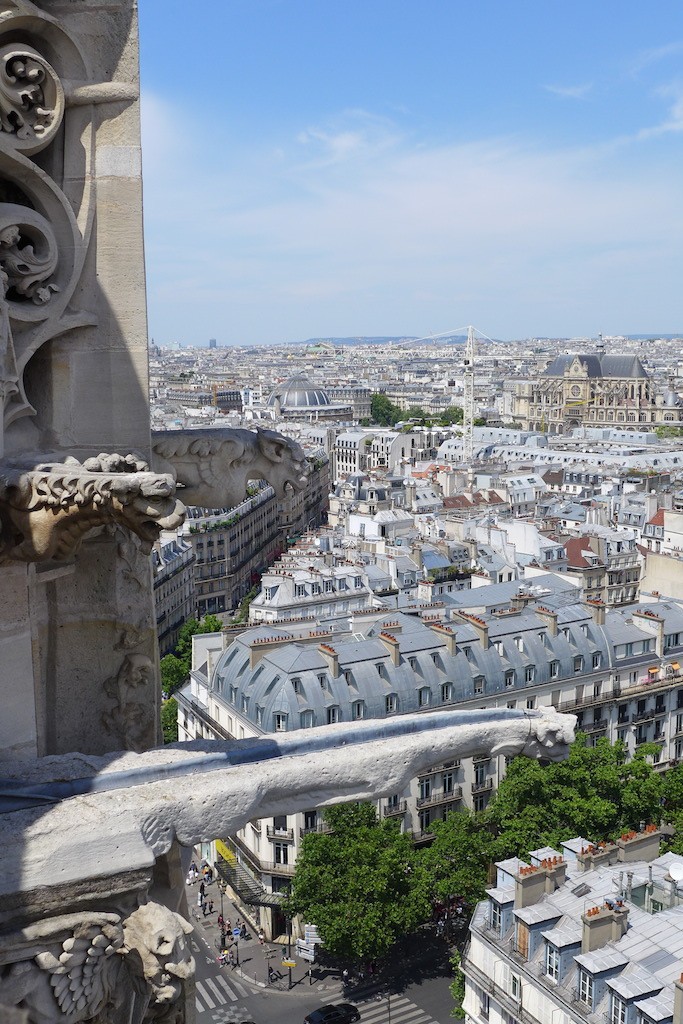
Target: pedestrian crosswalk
<point x="395" y="1010"/>
<point x="217" y="991"/>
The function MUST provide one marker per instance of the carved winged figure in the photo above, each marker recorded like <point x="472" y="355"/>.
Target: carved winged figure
<point x="99" y="968"/>
<point x="213" y="467"/>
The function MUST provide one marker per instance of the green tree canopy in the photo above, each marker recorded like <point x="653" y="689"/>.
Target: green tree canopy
<point x="383" y="411"/>
<point x="169" y="720"/>
<point x="451" y="415"/>
<point x="174" y="672"/>
<point x="458" y="859"/>
<point x="175" y="667"/>
<point x="596" y="793"/>
<point x="362" y="884"/>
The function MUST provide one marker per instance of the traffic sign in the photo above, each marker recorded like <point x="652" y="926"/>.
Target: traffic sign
<point x="288" y="963"/>
<point x="305" y="954"/>
<point x="237" y="932"/>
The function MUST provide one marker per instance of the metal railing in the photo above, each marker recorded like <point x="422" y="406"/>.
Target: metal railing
<point x="280" y="833"/>
<point x="483" y="786"/>
<point x="440" y="797"/>
<point x="399" y="807"/>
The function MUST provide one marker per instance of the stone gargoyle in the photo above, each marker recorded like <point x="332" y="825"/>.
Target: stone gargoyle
<point x="213" y="467"/>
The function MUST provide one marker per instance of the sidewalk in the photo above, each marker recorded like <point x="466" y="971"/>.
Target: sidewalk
<point x="254" y="958"/>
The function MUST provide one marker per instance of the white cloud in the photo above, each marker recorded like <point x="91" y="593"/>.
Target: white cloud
<point x="572" y="92"/>
<point x="655" y="55"/>
<point x="372" y="233"/>
<point x="674" y="122"/>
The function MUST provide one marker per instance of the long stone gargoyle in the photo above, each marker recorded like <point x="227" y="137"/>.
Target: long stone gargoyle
<point x="72" y="817"/>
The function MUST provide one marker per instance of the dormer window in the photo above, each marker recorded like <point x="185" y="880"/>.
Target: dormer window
<point x="586" y="989"/>
<point x="424" y="696"/>
<point x="519" y="643"/>
<point x="552" y="962"/>
<point x="617" y="1010"/>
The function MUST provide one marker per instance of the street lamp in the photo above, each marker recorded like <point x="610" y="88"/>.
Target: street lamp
<point x="222" y="888"/>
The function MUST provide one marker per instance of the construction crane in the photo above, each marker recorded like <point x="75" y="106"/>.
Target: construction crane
<point x="468" y="402"/>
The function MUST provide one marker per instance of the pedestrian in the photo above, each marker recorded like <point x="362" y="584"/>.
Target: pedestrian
<point x="272" y="976"/>
<point x="222" y="959"/>
<point x="204" y="908"/>
<point x="231" y="958"/>
<point x="211" y="906"/>
<point x="345" y="977"/>
<point x="220" y="922"/>
<point x="261" y="936"/>
<point x="243" y="931"/>
<point x="200" y="899"/>
<point x="209" y="875"/>
<point x="202" y="887"/>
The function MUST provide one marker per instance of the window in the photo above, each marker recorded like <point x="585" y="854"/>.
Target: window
<point x="446" y="692"/>
<point x="617" y="1010"/>
<point x="495" y="917"/>
<point x="299" y="589"/>
<point x="245" y="704"/>
<point x="391" y="703"/>
<point x="281" y="853"/>
<point x="333" y="715"/>
<point x="425" y="818"/>
<point x="478" y="684"/>
<point x="328" y="586"/>
<point x="322" y="679"/>
<point x="280" y="721"/>
<point x="586" y="989"/>
<point x="358" y="709"/>
<point x="510" y="678"/>
<point x="379" y="666"/>
<point x="578" y="663"/>
<point x="484" y="1005"/>
<point x="530" y="703"/>
<point x="425" y="788"/>
<point x="519" y="643"/>
<point x="515" y="986"/>
<point x="448" y="778"/>
<point x="358" y="582"/>
<point x="597" y="659"/>
<point x="296" y="684"/>
<point x="424" y="696"/>
<point x="529" y="674"/>
<point x="552" y="962"/>
<point x="413" y="664"/>
<point x="307" y="719"/>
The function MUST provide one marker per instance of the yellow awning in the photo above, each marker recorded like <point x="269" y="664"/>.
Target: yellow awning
<point x="675" y="666"/>
<point x="653" y="670"/>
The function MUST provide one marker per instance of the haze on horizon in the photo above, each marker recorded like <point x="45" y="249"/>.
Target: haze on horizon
<point x="345" y="169"/>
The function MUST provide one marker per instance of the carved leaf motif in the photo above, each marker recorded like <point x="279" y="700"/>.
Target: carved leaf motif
<point x="31" y="98"/>
<point x="79" y="973"/>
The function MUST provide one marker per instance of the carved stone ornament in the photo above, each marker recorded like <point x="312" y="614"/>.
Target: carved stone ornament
<point x="31" y="98"/>
<point x="47" y="508"/>
<point x="132" y="717"/>
<point x="213" y="467"/>
<point x="99" y="968"/>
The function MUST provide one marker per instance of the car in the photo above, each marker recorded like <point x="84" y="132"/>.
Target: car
<point x="334" y="1013"/>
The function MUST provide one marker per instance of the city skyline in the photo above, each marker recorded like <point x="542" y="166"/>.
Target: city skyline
<point x="389" y="170"/>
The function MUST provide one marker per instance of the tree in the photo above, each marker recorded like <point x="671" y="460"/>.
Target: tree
<point x="457" y="986"/>
<point x="383" y="410"/>
<point x="169" y="720"/>
<point x="596" y="793"/>
<point x="174" y="672"/>
<point x="451" y="415"/>
<point x="242" y="613"/>
<point x="458" y="859"/>
<point x="362" y="884"/>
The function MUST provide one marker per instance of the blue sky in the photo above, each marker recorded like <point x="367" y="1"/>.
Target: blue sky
<point x="345" y="167"/>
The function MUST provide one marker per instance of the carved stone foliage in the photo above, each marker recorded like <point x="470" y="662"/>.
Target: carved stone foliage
<point x="213" y="467"/>
<point x="31" y="98"/>
<point x="47" y="508"/>
<point x="131" y="719"/>
<point x="100" y="968"/>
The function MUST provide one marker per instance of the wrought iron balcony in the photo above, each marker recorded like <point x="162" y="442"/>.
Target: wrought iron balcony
<point x="483" y="786"/>
<point x="280" y="833"/>
<point x="399" y="807"/>
<point x="440" y="797"/>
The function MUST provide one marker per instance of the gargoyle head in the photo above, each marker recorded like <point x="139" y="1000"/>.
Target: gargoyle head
<point x="158" y="936"/>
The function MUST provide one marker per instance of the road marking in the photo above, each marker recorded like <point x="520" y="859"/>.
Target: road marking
<point x="402" y="1012"/>
<point x="210" y="1005"/>
<point x="218" y="994"/>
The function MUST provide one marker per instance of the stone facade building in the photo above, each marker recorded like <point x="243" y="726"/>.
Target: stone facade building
<point x="594" y="390"/>
<point x="173" y="561"/>
<point x="583" y="933"/>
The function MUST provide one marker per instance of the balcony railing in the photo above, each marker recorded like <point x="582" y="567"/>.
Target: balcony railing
<point x="483" y="786"/>
<point x="644" y="716"/>
<point x="274" y="868"/>
<point x="399" y="807"/>
<point x="440" y="797"/>
<point x="280" y="833"/>
<point x="598" y="726"/>
<point x="320" y="826"/>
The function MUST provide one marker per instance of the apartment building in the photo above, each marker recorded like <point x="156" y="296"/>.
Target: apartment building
<point x="582" y="934"/>
<point x="619" y="673"/>
<point x="173" y="561"/>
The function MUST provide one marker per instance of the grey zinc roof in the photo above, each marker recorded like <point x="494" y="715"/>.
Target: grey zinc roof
<point x="565" y="933"/>
<point x="598" y="366"/>
<point x="658" y="1007"/>
<point x="604" y="959"/>
<point x="539" y="913"/>
<point x="634" y="981"/>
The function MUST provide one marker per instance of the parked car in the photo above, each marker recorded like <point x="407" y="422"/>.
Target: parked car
<point x="334" y="1013"/>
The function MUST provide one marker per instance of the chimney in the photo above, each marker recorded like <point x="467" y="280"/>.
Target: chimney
<point x="521" y="599"/>
<point x="391" y="644"/>
<point x="678" y="1001"/>
<point x="597" y="609"/>
<point x="529" y="886"/>
<point x="477" y="623"/>
<point x="639" y="845"/>
<point x="446" y="634"/>
<point x="595" y="856"/>
<point x="654" y="624"/>
<point x="549" y="617"/>
<point x="331" y="657"/>
<point x="602" y="925"/>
